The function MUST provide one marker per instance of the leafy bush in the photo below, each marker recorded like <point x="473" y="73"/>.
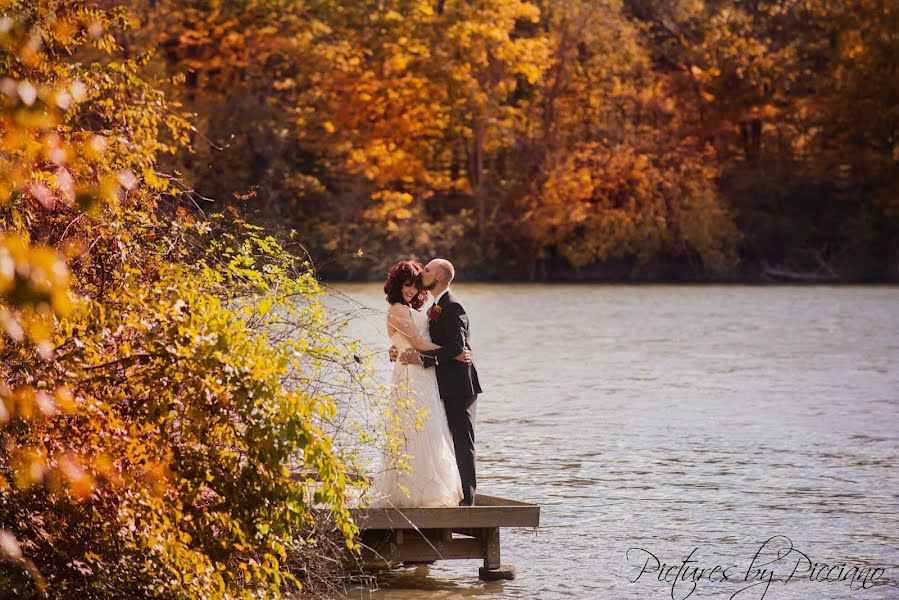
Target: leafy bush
<point x="159" y="373"/>
<point x="168" y="452"/>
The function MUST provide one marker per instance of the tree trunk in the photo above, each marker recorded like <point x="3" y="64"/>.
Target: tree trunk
<point x="476" y="179"/>
<point x="751" y="132"/>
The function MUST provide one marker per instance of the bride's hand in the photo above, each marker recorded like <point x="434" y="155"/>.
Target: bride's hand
<point x="410" y="356"/>
<point x="465" y="356"/>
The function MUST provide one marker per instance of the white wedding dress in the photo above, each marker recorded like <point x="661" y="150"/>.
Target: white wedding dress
<point x="421" y="470"/>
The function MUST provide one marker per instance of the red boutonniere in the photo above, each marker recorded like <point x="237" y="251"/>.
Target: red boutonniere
<point x="434" y="312"/>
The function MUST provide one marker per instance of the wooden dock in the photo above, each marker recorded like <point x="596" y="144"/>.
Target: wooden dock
<point x="422" y="535"/>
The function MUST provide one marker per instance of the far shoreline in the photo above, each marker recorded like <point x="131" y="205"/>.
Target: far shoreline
<point x="462" y="280"/>
<point x="621" y="274"/>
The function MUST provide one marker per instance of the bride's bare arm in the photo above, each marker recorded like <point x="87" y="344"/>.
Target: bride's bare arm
<point x="398" y="319"/>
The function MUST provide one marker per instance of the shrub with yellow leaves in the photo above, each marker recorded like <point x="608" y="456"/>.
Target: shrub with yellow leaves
<point x="158" y="372"/>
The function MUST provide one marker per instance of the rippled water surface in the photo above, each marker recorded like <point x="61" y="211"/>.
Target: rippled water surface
<point x="678" y="418"/>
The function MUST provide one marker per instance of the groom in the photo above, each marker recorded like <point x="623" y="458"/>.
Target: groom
<point x="457" y="380"/>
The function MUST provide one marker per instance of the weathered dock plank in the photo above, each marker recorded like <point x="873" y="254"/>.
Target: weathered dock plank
<point x="414" y="535"/>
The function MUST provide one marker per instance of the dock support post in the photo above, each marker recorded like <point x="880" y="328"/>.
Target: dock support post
<point x="492" y="569"/>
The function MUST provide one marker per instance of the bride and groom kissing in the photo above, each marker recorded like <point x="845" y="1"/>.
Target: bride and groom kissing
<point x="435" y="372"/>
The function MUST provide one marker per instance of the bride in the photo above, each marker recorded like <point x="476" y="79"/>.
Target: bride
<point x="420" y="471"/>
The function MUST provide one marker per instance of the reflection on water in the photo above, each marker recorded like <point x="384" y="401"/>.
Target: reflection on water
<point x="429" y="582"/>
<point x="673" y="418"/>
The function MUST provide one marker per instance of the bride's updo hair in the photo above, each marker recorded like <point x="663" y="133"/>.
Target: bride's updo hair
<point x="403" y="272"/>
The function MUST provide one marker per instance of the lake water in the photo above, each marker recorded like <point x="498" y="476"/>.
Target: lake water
<point x="671" y="418"/>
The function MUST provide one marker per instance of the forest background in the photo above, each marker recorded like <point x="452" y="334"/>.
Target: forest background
<point x="547" y="140"/>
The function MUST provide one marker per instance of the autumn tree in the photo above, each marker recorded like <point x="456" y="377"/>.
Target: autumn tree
<point x="617" y="177"/>
<point x="773" y="85"/>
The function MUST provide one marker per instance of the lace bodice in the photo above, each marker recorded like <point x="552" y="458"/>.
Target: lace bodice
<point x="420" y="321"/>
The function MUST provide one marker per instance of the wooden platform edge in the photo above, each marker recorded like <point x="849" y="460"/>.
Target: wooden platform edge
<point x="488" y="512"/>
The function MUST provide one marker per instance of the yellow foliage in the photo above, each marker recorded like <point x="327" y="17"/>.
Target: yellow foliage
<point x="145" y="420"/>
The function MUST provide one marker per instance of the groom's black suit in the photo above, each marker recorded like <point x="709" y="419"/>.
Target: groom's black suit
<point x="458" y="383"/>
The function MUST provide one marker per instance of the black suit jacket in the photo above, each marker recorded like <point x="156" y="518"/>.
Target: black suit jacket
<point x="456" y="380"/>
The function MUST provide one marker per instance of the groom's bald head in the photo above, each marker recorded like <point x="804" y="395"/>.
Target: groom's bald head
<point x="438" y="274"/>
<point x="446" y="267"/>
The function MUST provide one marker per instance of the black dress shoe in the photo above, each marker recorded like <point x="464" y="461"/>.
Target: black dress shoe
<point x="466" y="502"/>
